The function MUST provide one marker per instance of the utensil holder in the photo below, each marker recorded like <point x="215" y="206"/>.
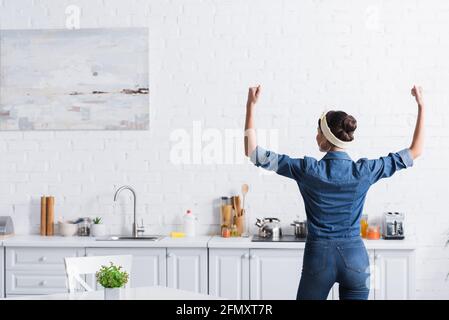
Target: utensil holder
<point x="240" y="223"/>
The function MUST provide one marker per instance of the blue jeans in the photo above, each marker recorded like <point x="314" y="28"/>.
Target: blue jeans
<point x="326" y="261"/>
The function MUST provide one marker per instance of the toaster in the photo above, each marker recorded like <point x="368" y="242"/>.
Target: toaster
<point x="6" y="227"/>
<point x="393" y="226"/>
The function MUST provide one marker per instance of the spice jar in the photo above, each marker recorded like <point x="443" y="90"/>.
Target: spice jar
<point x="225" y="232"/>
<point x="234" y="232"/>
<point x="373" y="233"/>
<point x="364" y="225"/>
<point x="84" y="227"/>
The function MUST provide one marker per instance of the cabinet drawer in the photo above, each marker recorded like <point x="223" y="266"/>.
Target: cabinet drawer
<point x="32" y="259"/>
<point x="2" y="272"/>
<point x="26" y="282"/>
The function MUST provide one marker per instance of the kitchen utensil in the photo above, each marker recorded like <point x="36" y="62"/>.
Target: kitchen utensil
<point x="240" y="224"/>
<point x="393" y="226"/>
<point x="300" y="228"/>
<point x="43" y="228"/>
<point x="67" y="229"/>
<point x="6" y="227"/>
<point x="269" y="227"/>
<point x="50" y="219"/>
<point x="238" y="208"/>
<point x="245" y="189"/>
<point x="234" y="205"/>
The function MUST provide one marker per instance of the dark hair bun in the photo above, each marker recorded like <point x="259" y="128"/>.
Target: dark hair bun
<point x="349" y="124"/>
<point x="342" y="125"/>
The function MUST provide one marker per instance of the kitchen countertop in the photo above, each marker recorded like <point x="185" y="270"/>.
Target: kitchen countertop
<point x="194" y="242"/>
<point x="59" y="241"/>
<point x="220" y="242"/>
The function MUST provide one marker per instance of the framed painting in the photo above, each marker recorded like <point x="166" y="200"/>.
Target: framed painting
<point x="86" y="79"/>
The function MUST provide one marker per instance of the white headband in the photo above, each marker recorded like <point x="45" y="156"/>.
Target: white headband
<point x="329" y="135"/>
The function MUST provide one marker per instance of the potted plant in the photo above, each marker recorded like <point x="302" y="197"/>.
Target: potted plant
<point x="98" y="229"/>
<point x="113" y="279"/>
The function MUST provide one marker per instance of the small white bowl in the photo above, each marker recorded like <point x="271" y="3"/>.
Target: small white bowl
<point x="67" y="229"/>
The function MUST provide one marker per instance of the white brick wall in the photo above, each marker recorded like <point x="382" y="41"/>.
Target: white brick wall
<point x="359" y="56"/>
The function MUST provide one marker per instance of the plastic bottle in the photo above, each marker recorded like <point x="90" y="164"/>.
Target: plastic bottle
<point x="189" y="224"/>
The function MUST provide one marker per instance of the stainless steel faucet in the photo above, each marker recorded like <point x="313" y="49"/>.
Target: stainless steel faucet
<point x="136" y="230"/>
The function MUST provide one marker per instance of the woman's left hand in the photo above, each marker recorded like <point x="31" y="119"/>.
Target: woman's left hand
<point x="253" y="95"/>
<point x="417" y="92"/>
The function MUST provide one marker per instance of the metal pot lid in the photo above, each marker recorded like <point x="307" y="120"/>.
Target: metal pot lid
<point x="271" y="219"/>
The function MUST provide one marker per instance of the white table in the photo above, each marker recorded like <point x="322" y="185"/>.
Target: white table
<point x="142" y="293"/>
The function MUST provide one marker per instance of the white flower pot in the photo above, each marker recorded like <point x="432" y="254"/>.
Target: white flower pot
<point x="98" y="230"/>
<point x="113" y="293"/>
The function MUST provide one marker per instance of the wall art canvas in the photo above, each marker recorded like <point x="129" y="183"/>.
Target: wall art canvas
<point x="86" y="79"/>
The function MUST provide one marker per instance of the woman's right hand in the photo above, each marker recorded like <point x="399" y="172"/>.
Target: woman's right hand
<point x="417" y="93"/>
<point x="250" y="139"/>
<point x="253" y="95"/>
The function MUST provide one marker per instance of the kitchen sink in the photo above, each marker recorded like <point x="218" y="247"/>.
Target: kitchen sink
<point x="130" y="238"/>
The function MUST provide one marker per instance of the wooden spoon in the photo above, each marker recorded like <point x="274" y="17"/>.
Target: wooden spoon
<point x="245" y="189"/>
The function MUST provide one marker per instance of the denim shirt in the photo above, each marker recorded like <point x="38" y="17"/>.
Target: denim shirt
<point x="333" y="188"/>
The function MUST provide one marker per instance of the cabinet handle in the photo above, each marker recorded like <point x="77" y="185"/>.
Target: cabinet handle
<point x="377" y="256"/>
<point x="245" y="256"/>
<point x="43" y="259"/>
<point x="43" y="283"/>
<point x="169" y="255"/>
<point x="253" y="256"/>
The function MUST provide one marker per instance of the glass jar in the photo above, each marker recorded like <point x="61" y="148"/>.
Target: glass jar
<point x="234" y="231"/>
<point x="364" y="225"/>
<point x="84" y="227"/>
<point x="373" y="233"/>
<point x="225" y="232"/>
<point x="226" y="213"/>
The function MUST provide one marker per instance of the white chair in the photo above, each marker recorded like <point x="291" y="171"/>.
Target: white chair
<point x="77" y="266"/>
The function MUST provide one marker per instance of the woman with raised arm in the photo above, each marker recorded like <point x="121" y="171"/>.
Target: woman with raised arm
<point x="334" y="190"/>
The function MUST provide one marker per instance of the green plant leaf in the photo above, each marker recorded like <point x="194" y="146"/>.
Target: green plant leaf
<point x="112" y="276"/>
<point x="97" y="220"/>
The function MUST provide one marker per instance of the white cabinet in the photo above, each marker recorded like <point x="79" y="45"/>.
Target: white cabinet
<point x="254" y="273"/>
<point x="2" y="272"/>
<point x="234" y="273"/>
<point x="35" y="270"/>
<point x="229" y="273"/>
<point x="148" y="265"/>
<point x="394" y="274"/>
<point x="274" y="273"/>
<point x="259" y="274"/>
<point x="187" y="269"/>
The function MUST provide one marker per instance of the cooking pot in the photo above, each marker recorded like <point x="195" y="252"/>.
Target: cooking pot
<point x="269" y="227"/>
<point x="300" y="228"/>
